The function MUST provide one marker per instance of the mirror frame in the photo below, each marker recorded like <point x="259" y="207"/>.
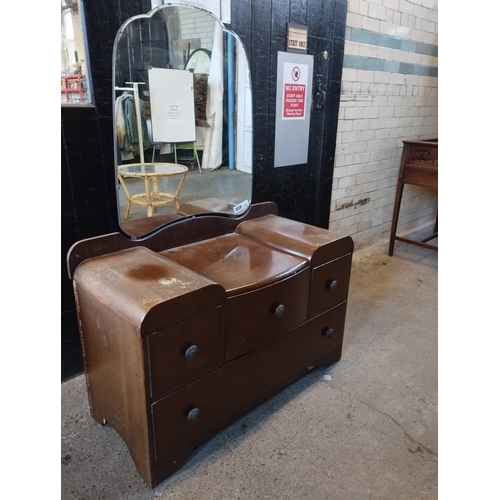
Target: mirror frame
<point x="149" y="228"/>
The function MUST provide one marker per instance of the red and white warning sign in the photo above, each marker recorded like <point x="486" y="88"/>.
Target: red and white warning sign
<point x="294" y="91"/>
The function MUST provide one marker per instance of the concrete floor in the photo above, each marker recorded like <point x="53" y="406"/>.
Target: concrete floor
<point x="371" y="432"/>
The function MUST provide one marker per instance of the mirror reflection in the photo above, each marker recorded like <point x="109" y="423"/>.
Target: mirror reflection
<point x="183" y="119"/>
<point x="75" y="74"/>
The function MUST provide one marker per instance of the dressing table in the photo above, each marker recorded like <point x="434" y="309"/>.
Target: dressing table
<point x="184" y="332"/>
<point x="188" y="327"/>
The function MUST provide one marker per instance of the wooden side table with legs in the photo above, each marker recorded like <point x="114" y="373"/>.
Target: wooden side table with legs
<point x="419" y="167"/>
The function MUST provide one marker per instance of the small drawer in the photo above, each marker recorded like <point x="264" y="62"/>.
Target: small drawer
<point x="424" y="153"/>
<point x="319" y="337"/>
<point x="329" y="284"/>
<point x="255" y="319"/>
<point x="185" y="351"/>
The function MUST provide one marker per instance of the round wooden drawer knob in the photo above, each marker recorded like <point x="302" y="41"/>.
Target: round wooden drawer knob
<point x="327" y="332"/>
<point x="331" y="284"/>
<point x="191" y="352"/>
<point x="193" y="415"/>
<point x="279" y="310"/>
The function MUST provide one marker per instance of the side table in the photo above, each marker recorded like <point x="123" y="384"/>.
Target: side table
<point x="419" y="167"/>
<point x="150" y="173"/>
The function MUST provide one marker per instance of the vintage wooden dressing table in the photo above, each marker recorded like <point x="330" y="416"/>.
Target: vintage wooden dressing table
<point x="188" y="325"/>
<point x="184" y="332"/>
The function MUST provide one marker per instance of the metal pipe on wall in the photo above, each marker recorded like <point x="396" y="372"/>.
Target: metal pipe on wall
<point x="230" y="99"/>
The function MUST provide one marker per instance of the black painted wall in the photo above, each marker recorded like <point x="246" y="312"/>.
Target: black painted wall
<point x="88" y="188"/>
<point x="302" y="192"/>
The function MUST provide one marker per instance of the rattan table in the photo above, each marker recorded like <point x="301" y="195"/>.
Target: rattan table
<point x="150" y="173"/>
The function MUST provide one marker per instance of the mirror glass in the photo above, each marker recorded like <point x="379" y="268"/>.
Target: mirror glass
<point x="76" y="88"/>
<point x="182" y="119"/>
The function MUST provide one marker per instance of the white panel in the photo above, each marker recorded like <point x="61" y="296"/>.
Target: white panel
<point x="172" y="105"/>
<point x="244" y="149"/>
<point x="225" y="11"/>
<point x="248" y="108"/>
<point x="247" y="151"/>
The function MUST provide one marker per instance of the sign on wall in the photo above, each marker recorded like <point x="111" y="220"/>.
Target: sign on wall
<point x="293" y="108"/>
<point x="294" y="91"/>
<point x="296" y="40"/>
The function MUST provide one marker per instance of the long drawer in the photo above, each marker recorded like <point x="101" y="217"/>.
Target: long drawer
<point x="187" y="417"/>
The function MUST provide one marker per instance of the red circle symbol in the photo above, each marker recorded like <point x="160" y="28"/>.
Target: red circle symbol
<point x="296" y="73"/>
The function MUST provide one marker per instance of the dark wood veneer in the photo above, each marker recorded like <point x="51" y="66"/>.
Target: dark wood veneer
<point x="185" y="332"/>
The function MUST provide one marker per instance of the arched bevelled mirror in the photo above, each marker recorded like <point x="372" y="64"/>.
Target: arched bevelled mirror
<point x="183" y="119"/>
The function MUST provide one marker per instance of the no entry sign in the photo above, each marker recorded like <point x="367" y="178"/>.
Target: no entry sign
<point x="293" y="108"/>
<point x="294" y="91"/>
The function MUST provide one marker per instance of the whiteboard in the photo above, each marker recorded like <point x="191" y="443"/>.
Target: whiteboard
<point x="171" y="94"/>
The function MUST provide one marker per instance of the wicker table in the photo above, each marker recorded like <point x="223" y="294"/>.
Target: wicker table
<point x="150" y="173"/>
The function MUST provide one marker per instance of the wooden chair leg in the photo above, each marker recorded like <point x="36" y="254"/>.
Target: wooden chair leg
<point x="395" y="216"/>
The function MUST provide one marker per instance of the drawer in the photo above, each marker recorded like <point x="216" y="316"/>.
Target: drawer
<point x="329" y="284"/>
<point x="185" y="351"/>
<point x="422" y="152"/>
<point x="186" y="418"/>
<point x="257" y="318"/>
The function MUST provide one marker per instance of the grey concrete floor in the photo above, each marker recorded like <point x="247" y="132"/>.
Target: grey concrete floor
<point x="370" y="432"/>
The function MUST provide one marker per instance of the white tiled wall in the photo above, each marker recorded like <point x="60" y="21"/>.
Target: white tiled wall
<point x="197" y="25"/>
<point x="379" y="108"/>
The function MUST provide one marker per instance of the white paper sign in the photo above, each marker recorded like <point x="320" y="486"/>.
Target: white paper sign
<point x="174" y="113"/>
